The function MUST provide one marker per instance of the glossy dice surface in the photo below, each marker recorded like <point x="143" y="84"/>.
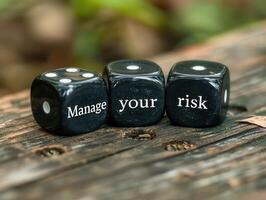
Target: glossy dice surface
<point x="137" y="90"/>
<point x="197" y="93"/>
<point x="69" y="101"/>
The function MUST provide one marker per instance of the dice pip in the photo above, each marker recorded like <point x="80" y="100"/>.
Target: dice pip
<point x="69" y="101"/>
<point x="137" y="92"/>
<point x="197" y="93"/>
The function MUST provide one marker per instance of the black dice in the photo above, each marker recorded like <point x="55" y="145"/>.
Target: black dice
<point x="69" y="101"/>
<point x="137" y="92"/>
<point x="197" y="93"/>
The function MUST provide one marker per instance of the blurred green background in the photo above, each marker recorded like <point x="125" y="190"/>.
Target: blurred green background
<point x="39" y="35"/>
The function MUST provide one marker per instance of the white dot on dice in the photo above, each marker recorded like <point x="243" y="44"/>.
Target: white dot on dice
<point x="65" y="80"/>
<point x="72" y="70"/>
<point x="51" y="75"/>
<point x="199" y="68"/>
<point x="133" y="67"/>
<point x="225" y="96"/>
<point x="46" y="107"/>
<point x="87" y="75"/>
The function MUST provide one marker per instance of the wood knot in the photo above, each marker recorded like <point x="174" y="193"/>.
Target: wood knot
<point x="139" y="134"/>
<point x="178" y="145"/>
<point x="51" y="151"/>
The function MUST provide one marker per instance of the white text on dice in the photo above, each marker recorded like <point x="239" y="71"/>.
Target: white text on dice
<point x="192" y="103"/>
<point x="80" y="111"/>
<point x="137" y="103"/>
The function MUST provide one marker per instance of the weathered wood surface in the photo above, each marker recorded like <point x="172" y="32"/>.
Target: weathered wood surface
<point x="224" y="162"/>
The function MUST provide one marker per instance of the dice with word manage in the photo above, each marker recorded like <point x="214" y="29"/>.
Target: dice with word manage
<point x="69" y="101"/>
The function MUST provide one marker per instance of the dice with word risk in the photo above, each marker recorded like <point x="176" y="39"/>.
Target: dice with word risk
<point x="137" y="92"/>
<point x="197" y="93"/>
<point x="69" y="101"/>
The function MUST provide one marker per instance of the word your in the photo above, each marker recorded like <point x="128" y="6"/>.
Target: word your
<point x="137" y="103"/>
<point x="192" y="103"/>
<point x="80" y="111"/>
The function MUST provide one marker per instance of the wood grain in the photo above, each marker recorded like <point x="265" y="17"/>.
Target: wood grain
<point x="156" y="162"/>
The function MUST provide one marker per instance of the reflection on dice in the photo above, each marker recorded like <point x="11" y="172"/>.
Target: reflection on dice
<point x="69" y="101"/>
<point x="137" y="90"/>
<point x="197" y="93"/>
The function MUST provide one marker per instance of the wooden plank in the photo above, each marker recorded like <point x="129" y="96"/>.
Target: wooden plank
<point x="110" y="164"/>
